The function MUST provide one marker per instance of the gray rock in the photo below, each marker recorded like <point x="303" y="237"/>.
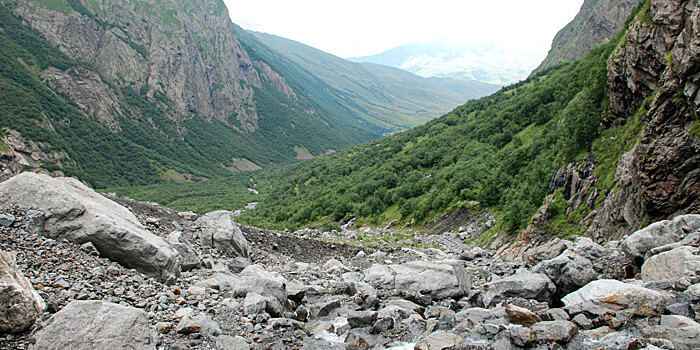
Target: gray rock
<point x="439" y="341"/>
<point x="187" y="326"/>
<point x="584" y="262"/>
<point x="475" y="316"/>
<point x="673" y="265"/>
<point x="6" y="219"/>
<point x="652" y="236"/>
<point x="238" y="264"/>
<point x="208" y="326"/>
<point x="682" y="331"/>
<point x="77" y="213"/>
<point x="188" y="257"/>
<point x="554" y="331"/>
<point x="20" y="304"/>
<point x="256" y="279"/>
<point x="523" y="284"/>
<point x="549" y="250"/>
<point x="440" y="280"/>
<point x="602" y="296"/>
<point x="521" y="336"/>
<point x="361" y="318"/>
<point x="218" y="230"/>
<point x="521" y="316"/>
<point x="324" y="307"/>
<point x="254" y="304"/>
<point x="226" y="342"/>
<point x="582" y="321"/>
<point x="85" y="325"/>
<point x="34" y="221"/>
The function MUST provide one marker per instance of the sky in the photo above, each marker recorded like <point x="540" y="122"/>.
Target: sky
<point x="367" y="27"/>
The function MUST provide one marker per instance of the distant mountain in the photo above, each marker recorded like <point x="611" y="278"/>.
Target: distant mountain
<point x="484" y="62"/>
<point x="392" y="98"/>
<point x="120" y="93"/>
<point x="597" y="22"/>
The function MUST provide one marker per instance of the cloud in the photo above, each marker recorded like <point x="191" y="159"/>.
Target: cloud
<point x="365" y="27"/>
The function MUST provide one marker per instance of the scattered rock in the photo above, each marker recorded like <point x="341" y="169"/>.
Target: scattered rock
<point x="439" y="341"/>
<point x="521" y="316"/>
<point x="440" y="280"/>
<point x="554" y="331"/>
<point x="673" y="265"/>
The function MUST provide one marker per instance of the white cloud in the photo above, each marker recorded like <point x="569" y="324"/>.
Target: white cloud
<point x="365" y="27"/>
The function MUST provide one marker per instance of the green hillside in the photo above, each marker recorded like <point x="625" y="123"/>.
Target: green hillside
<point x="389" y="97"/>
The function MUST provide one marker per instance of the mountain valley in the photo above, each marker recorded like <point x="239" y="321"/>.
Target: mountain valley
<point x="173" y="181"/>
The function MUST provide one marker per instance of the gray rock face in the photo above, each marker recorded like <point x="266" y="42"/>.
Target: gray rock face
<point x="218" y="230"/>
<point x="442" y="279"/>
<point x="20" y="305"/>
<point x="673" y="265"/>
<point x="77" y="213"/>
<point x="597" y="22"/>
<point x="85" y="325"/>
<point x="601" y="296"/>
<point x="524" y="284"/>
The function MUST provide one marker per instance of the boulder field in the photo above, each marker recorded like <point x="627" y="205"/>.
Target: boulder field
<point x="69" y="279"/>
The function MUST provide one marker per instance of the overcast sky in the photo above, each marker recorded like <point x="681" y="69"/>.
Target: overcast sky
<point x="366" y="27"/>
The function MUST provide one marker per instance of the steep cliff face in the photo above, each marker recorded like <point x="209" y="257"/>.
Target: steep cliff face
<point x="653" y="92"/>
<point x="597" y="22"/>
<point x="660" y="65"/>
<point x="185" y="50"/>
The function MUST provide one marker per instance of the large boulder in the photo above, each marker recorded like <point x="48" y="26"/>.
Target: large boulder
<point x="584" y="262"/>
<point x="440" y="280"/>
<point x="256" y="279"/>
<point x="188" y="257"/>
<point x="523" y="284"/>
<point x="78" y="214"/>
<point x="219" y="231"/>
<point x="92" y="325"/>
<point x="603" y="296"/>
<point x="673" y="265"/>
<point x="20" y="305"/>
<point x="655" y="235"/>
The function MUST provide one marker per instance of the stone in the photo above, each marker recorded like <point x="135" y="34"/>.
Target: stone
<point x="361" y="318"/>
<point x="521" y="316"/>
<point x="652" y="236"/>
<point x="673" y="265"/>
<point x="521" y="336"/>
<point x="582" y="321"/>
<point x="682" y="331"/>
<point x="523" y="284"/>
<point x="226" y="342"/>
<point x="238" y="264"/>
<point x="187" y="326"/>
<point x="188" y="258"/>
<point x="602" y="296"/>
<point x="439" y="341"/>
<point x="440" y="279"/>
<point x="554" y="331"/>
<point x="78" y="214"/>
<point x="164" y="327"/>
<point x="475" y="316"/>
<point x="324" y="307"/>
<point x="218" y="230"/>
<point x="254" y="304"/>
<point x="208" y="326"/>
<point x="255" y="278"/>
<point x="6" y="219"/>
<point x="546" y="251"/>
<point x="85" y="325"/>
<point x="20" y="304"/>
<point x="34" y="221"/>
<point x="584" y="262"/>
<point x="382" y="325"/>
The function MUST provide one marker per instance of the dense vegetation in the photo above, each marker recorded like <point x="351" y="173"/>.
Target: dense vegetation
<point x="500" y="151"/>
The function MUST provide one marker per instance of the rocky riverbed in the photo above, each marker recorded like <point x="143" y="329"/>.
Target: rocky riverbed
<point x="205" y="282"/>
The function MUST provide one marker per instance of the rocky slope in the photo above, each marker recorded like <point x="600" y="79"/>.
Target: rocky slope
<point x="308" y="290"/>
<point x="654" y="105"/>
<point x="597" y="22"/>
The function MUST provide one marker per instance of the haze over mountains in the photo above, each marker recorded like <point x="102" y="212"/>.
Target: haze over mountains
<point x="482" y="62"/>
